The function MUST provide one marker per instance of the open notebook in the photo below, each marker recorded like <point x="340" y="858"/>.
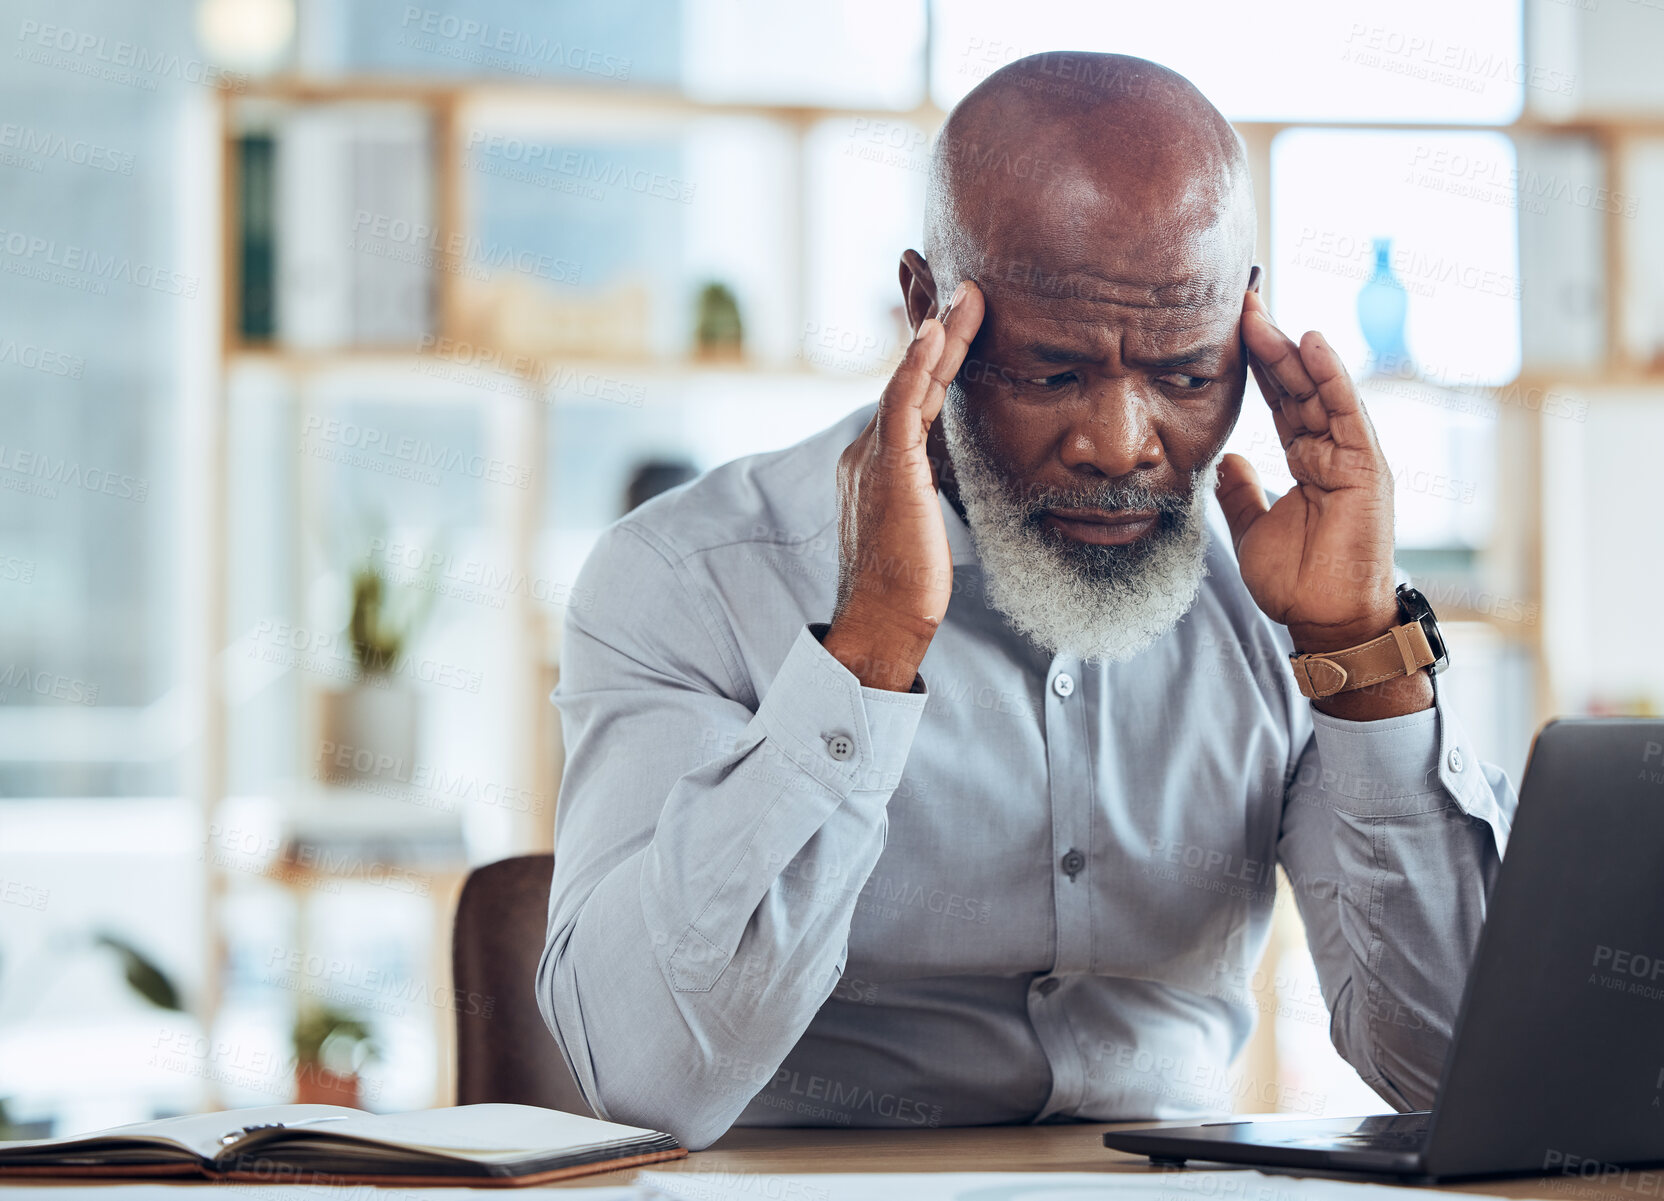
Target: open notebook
<point x="468" y="1144"/>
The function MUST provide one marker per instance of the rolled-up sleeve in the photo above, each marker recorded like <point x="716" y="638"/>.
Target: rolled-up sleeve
<point x="711" y="846"/>
<point x="1392" y="834"/>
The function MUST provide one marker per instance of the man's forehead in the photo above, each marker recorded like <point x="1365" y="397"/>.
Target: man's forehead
<point x="1150" y="269"/>
<point x="1083" y="308"/>
<point x="1030" y="288"/>
<point x="1113" y="239"/>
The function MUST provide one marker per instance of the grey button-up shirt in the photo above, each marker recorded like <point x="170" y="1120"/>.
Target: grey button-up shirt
<point x="1038" y="889"/>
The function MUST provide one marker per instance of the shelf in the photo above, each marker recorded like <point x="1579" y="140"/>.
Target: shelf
<point x="300" y="89"/>
<point x="303" y="89"/>
<point x="373" y="357"/>
<point x="558" y="380"/>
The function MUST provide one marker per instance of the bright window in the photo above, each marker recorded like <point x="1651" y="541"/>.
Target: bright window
<point x="1322" y="60"/>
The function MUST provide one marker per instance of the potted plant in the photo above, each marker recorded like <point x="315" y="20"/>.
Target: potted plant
<point x="331" y="1046"/>
<point x="381" y="628"/>
<point x="372" y="723"/>
<point x="718" y="331"/>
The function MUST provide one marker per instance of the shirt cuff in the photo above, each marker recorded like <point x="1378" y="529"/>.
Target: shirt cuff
<point x="1396" y="765"/>
<point x="850" y="738"/>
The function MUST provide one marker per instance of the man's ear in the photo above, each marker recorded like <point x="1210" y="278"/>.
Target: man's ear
<point x="918" y="288"/>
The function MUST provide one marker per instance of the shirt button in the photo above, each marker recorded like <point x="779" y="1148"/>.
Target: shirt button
<point x="1072" y="862"/>
<point x="840" y="747"/>
<point x="1063" y="683"/>
<point x="1455" y="758"/>
<point x="1049" y="985"/>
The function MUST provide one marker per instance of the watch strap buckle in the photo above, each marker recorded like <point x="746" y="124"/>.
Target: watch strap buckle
<point x="1401" y="651"/>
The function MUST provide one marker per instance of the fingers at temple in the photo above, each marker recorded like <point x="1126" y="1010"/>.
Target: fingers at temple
<point x="1282" y="361"/>
<point x="1240" y="495"/>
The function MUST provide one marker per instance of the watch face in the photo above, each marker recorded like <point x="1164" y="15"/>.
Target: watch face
<point x="1413" y="605"/>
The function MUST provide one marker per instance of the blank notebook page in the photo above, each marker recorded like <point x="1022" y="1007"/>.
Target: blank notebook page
<point x="483" y="1132"/>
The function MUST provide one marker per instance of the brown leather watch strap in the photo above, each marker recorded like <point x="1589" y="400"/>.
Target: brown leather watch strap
<point x="1400" y="651"/>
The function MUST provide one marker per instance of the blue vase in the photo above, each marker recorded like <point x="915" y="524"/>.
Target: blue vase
<point x="1382" y="306"/>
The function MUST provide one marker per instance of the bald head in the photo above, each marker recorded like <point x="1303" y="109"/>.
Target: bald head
<point x="1100" y="172"/>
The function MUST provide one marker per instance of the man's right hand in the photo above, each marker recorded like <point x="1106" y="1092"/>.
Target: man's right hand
<point x="895" y="572"/>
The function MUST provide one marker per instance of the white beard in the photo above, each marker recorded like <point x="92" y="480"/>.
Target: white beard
<point x="1074" y="598"/>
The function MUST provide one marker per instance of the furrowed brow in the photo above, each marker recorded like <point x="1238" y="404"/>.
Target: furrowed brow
<point x="1056" y="354"/>
<point x="1065" y="355"/>
<point x="1188" y="358"/>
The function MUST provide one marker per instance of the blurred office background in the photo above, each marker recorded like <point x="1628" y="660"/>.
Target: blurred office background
<point x="328" y="323"/>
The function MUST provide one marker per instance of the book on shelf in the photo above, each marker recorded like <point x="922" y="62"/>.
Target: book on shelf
<point x="503" y="1145"/>
<point x="256" y="238"/>
<point x="336" y="240"/>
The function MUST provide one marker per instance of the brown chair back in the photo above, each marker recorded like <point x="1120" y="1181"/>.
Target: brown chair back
<point x="504" y="1052"/>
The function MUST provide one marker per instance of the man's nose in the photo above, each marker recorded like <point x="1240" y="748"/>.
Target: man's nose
<point x="1113" y="433"/>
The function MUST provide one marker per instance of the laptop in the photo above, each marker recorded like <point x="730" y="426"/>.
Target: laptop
<point x="1556" y="1064"/>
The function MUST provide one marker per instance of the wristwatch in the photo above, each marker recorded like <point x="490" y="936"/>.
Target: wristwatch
<point x="1414" y="646"/>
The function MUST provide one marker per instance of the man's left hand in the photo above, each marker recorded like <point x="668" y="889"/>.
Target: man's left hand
<point x="1319" y="560"/>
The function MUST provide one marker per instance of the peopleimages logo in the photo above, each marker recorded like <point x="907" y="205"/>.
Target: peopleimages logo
<point x="96" y="56"/>
<point x="26" y="470"/>
<point x="78" y="151"/>
<point x="411" y="241"/>
<point x="1632" y="973"/>
<point x="1652" y="763"/>
<point x="1629" y="963"/>
<point x="540" y="160"/>
<point x="480" y="41"/>
<point x="377" y="446"/>
<point x="33" y="251"/>
<point x="1470" y="68"/>
<point x="40" y="358"/>
<point x="19" y="678"/>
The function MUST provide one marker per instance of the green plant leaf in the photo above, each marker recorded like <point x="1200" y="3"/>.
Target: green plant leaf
<point x="143" y="976"/>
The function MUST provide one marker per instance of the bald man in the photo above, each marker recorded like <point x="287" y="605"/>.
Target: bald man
<point x="936" y="770"/>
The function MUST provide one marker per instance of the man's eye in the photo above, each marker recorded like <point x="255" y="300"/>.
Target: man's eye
<point x="1050" y="381"/>
<point x="1186" y="383"/>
